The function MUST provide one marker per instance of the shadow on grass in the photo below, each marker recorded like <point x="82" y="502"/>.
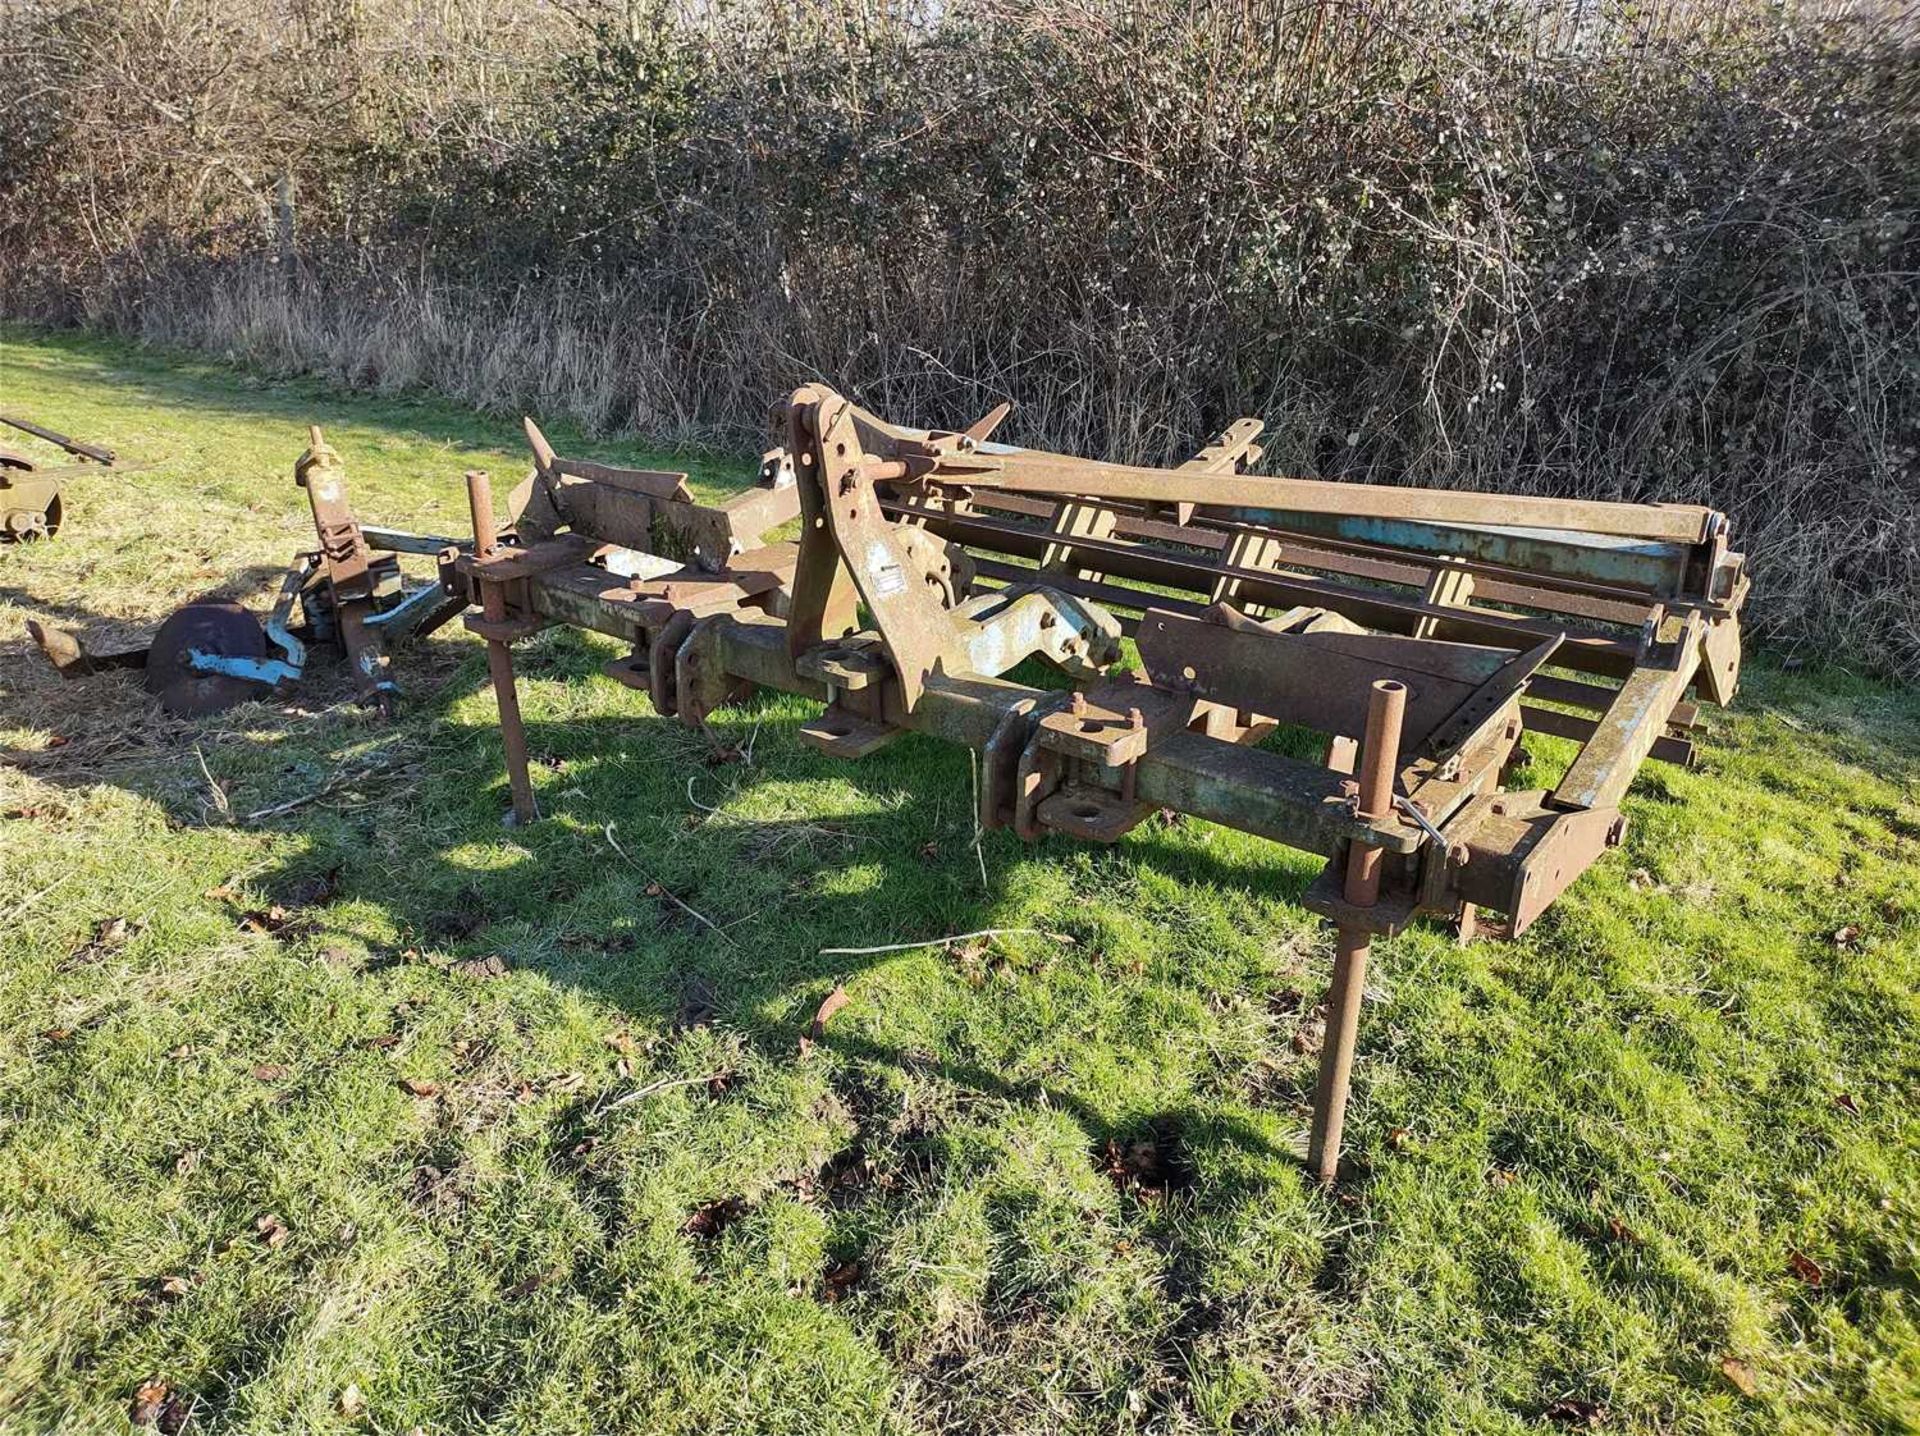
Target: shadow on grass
<point x="721" y="916"/>
<point x="683" y="904"/>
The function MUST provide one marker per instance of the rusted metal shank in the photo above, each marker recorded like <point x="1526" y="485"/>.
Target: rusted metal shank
<point x="493" y="606"/>
<point x="1378" y="760"/>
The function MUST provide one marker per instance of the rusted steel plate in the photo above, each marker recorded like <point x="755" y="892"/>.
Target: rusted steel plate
<point x="653" y="483"/>
<point x="907" y="612"/>
<point x="1318" y="681"/>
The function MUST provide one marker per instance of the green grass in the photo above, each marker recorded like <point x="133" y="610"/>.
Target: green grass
<point x="1583" y="1161"/>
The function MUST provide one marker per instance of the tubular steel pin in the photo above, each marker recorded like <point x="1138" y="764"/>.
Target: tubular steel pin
<point x="1379" y="755"/>
<point x="493" y="606"/>
<point x="1420" y="820"/>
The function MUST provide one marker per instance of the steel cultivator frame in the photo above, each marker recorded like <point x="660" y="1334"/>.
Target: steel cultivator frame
<point x="1420" y="631"/>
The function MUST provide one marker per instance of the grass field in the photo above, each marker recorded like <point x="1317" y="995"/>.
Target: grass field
<point x="281" y="1150"/>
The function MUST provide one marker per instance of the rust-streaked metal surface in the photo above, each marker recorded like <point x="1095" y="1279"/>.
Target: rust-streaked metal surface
<point x="1429" y="629"/>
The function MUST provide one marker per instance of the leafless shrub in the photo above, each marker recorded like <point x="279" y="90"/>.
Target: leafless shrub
<point x="1599" y="250"/>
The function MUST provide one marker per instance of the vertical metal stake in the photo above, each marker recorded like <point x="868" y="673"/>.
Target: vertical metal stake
<point x="493" y="605"/>
<point x="1379" y="757"/>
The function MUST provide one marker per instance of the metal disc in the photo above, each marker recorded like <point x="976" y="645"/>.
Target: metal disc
<point x="212" y="626"/>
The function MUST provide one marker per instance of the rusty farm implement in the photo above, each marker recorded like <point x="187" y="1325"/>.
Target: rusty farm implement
<point x="32" y="505"/>
<point x="211" y="653"/>
<point x="1421" y="633"/>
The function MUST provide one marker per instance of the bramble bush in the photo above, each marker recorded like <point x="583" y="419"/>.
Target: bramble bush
<point x="1482" y="245"/>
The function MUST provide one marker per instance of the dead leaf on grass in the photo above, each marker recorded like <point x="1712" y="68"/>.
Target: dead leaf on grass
<point x="710" y="1219"/>
<point x="522" y="1289"/>
<point x="57" y="1034"/>
<point x="353" y="1403"/>
<point x="1740" y="1374"/>
<point x="1621" y="1232"/>
<point x="270" y="1229"/>
<point x="1806" y="1268"/>
<point x="269" y="920"/>
<point x="381" y="1041"/>
<point x="1147" y="1166"/>
<point x="173" y="1287"/>
<point x="1311" y="1034"/>
<point x="1575" y="1412"/>
<point x="420" y="1087"/>
<point x="1843" y="1102"/>
<point x="1846" y="937"/>
<point x="156" y="1404"/>
<point x="830" y="1004"/>
<point x="840" y="1280"/>
<point x="186" y="1162"/>
<point x="1399" y="1138"/>
<point x="967" y="960"/>
<point x="269" y="1072"/>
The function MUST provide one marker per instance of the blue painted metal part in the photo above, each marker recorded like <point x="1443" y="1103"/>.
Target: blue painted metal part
<point x="1643" y="564"/>
<point x="269" y="671"/>
<point x="296" y="651"/>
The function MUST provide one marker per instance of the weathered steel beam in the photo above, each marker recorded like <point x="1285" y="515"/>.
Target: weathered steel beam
<point x="1589" y="652"/>
<point x="1034" y="472"/>
<point x="1270" y="795"/>
<point x="1309" y="543"/>
<point x="1667" y="748"/>
<point x="1628" y="730"/>
<point x="1649" y="566"/>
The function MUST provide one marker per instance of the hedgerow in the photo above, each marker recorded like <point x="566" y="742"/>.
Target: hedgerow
<point x="1662" y="256"/>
